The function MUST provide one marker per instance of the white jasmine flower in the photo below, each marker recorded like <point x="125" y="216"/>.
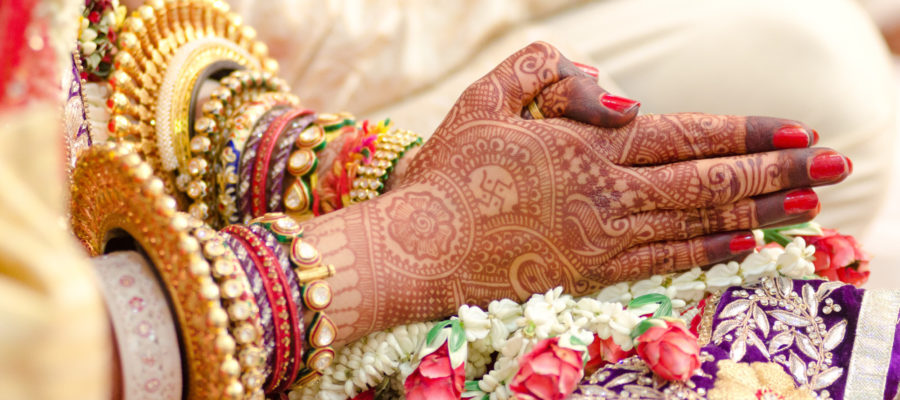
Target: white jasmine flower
<point x="539" y="319"/>
<point x="498" y="334"/>
<point x="621" y="325"/>
<point x="506" y="311"/>
<point x="88" y="35"/>
<point x="88" y="47"/>
<point x="722" y="276"/>
<point x="618" y="293"/>
<point x="760" y="264"/>
<point x="796" y="261"/>
<point x="760" y="237"/>
<point x="687" y="286"/>
<point x="475" y="322"/>
<point x="648" y="286"/>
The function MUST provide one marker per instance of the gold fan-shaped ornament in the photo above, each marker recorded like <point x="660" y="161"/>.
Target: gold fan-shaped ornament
<point x="167" y="48"/>
<point x="115" y="194"/>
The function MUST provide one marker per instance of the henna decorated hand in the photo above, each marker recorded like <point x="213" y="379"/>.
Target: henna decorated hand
<point x="496" y="205"/>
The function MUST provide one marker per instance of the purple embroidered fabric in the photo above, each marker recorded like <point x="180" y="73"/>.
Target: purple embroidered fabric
<point x="807" y="327"/>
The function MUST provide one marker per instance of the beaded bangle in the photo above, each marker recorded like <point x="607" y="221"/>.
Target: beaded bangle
<point x="267" y="145"/>
<point x="316" y="293"/>
<point x="284" y="307"/>
<point x="257" y="286"/>
<point x="389" y="147"/>
<point x="248" y="160"/>
<point x="240" y="303"/>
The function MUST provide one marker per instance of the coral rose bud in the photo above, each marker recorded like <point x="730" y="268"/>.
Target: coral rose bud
<point x="602" y="352"/>
<point x="840" y="257"/>
<point x="670" y="350"/>
<point x="548" y="372"/>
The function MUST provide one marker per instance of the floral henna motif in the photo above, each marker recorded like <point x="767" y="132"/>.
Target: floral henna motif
<point x="497" y="205"/>
<point x="421" y="224"/>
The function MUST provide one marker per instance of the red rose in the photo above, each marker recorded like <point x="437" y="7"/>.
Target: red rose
<point x="840" y="257"/>
<point x="94" y="17"/>
<point x="111" y="35"/>
<point x="367" y="395"/>
<point x="435" y="379"/>
<point x="670" y="350"/>
<point x="548" y="372"/>
<point x="602" y="352"/>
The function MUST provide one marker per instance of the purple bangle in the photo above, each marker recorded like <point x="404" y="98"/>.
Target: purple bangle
<point x="262" y="299"/>
<point x="248" y="159"/>
<point x="275" y="182"/>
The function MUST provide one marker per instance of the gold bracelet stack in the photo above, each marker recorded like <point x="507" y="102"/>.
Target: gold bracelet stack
<point x="166" y="46"/>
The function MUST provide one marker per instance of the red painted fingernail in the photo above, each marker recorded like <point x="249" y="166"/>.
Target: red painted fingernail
<point x="742" y="243"/>
<point x="587" y="69"/>
<point x="618" y="104"/>
<point x="815" y="137"/>
<point x="800" y="201"/>
<point x="790" y="137"/>
<point x="827" y="166"/>
<point x="849" y="164"/>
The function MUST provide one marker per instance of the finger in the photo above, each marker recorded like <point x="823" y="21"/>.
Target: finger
<point x="717" y="181"/>
<point x="782" y="208"/>
<point x="665" y="257"/>
<point x="658" y="139"/>
<point x="518" y="79"/>
<point x="580" y="98"/>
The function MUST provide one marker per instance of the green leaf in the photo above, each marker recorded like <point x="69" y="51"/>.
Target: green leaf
<point x="429" y="337"/>
<point x="665" y="309"/>
<point x="772" y="235"/>
<point x="575" y="340"/>
<point x="471" y="386"/>
<point x="641" y="328"/>
<point x="641" y="301"/>
<point x="457" y="336"/>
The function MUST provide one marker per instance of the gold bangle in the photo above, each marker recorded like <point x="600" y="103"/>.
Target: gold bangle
<point x="535" y="110"/>
<point x="114" y="196"/>
<point x="389" y="147"/>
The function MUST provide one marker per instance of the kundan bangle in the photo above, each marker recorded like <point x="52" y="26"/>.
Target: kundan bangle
<point x="280" y="157"/>
<point x="316" y="292"/>
<point x="302" y="164"/>
<point x="371" y="176"/>
<point x="239" y="301"/>
<point x="258" y="200"/>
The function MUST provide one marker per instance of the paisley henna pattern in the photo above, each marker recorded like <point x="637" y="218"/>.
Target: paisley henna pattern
<point x="497" y="205"/>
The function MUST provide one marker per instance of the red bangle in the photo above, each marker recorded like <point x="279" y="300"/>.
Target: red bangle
<point x="264" y="155"/>
<point x="283" y="307"/>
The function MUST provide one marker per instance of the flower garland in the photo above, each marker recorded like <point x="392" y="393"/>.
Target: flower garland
<point x="503" y="334"/>
<point x="98" y="29"/>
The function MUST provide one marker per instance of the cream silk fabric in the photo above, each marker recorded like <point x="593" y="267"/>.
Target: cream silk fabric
<point x="818" y="61"/>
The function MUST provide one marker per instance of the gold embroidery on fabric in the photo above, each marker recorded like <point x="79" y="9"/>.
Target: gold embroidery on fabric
<point x="705" y="329"/>
<point x="797" y="322"/>
<point x="872" y="348"/>
<point x="759" y="380"/>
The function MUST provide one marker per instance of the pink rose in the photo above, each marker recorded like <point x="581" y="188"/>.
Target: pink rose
<point x="840" y="257"/>
<point x="671" y="351"/>
<point x="435" y="379"/>
<point x="602" y="352"/>
<point x="548" y="372"/>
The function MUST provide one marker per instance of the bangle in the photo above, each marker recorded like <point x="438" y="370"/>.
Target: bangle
<point x="248" y="160"/>
<point x="389" y="147"/>
<point x="238" y="300"/>
<point x="143" y="325"/>
<point x="296" y="296"/>
<point x="258" y="289"/>
<point x="115" y="191"/>
<point x="280" y="158"/>
<point x="258" y="199"/>
<point x="316" y="293"/>
<point x="285" y="309"/>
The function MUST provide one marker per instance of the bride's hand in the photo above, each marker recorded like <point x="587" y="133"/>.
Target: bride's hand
<point x="496" y="204"/>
